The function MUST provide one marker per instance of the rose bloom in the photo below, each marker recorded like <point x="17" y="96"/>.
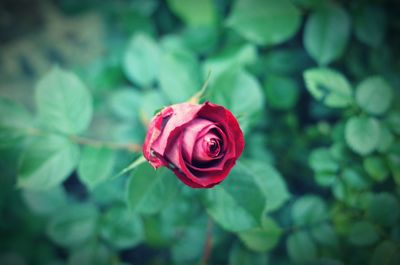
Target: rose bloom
<point x="200" y="143"/>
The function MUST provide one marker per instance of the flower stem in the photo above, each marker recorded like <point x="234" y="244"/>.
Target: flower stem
<point x="130" y="147"/>
<point x="208" y="243"/>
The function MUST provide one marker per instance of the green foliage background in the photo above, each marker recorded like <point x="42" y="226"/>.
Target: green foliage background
<point x="315" y="86"/>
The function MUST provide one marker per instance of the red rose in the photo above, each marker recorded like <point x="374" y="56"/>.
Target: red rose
<point x="199" y="142"/>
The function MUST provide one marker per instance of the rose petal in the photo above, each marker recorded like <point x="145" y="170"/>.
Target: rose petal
<point x="156" y="126"/>
<point x="182" y="114"/>
<point x="190" y="135"/>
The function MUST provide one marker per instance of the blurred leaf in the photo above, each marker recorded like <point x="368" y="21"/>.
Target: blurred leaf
<point x="201" y="39"/>
<point x="394" y="122"/>
<point x="386" y="253"/>
<point x="121" y="228"/>
<point x="386" y="139"/>
<point x="370" y="25"/>
<point x="228" y="58"/>
<point x="310" y="4"/>
<point x="300" y="247"/>
<point x="14" y="120"/>
<point x="384" y="209"/>
<point x="189" y="247"/>
<point x="195" y="13"/>
<point x="325" y="179"/>
<point x="276" y="60"/>
<point x="328" y="86"/>
<point x="142" y="60"/>
<point x="237" y="203"/>
<point x="152" y="101"/>
<point x="376" y="168"/>
<point x="63" y="101"/>
<point x="240" y="256"/>
<point x="354" y="179"/>
<point x="321" y="160"/>
<point x="125" y="103"/>
<point x="45" y="202"/>
<point x="239" y="92"/>
<point x="363" y="233"/>
<point x="362" y="134"/>
<point x="47" y="162"/>
<point x="73" y="225"/>
<point x="268" y="180"/>
<point x="263" y="238"/>
<point x="179" y="75"/>
<point x="94" y="253"/>
<point x="326" y="34"/>
<point x="149" y="190"/>
<point x="282" y="92"/>
<point x="95" y="165"/>
<point x="374" y="95"/>
<point x="325" y="235"/>
<point x="265" y="22"/>
<point x="309" y="210"/>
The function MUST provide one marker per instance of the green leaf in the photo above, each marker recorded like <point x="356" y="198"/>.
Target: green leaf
<point x="354" y="179"/>
<point x="328" y="86"/>
<point x="376" y="168"/>
<point x="95" y="165"/>
<point x="362" y="134"/>
<point x="263" y="238"/>
<point x="73" y="225"/>
<point x="281" y="92"/>
<point x="142" y="60"/>
<point x="63" y="101"/>
<point x="149" y="190"/>
<point x="124" y="103"/>
<point x="275" y="61"/>
<point x="47" y="162"/>
<point x="230" y="57"/>
<point x="94" y="253"/>
<point x="237" y="204"/>
<point x="300" y="247"/>
<point x="321" y="160"/>
<point x="195" y="13"/>
<point x="374" y="95"/>
<point x="386" y="253"/>
<point x="14" y="120"/>
<point x="121" y="228"/>
<point x="370" y="25"/>
<point x="325" y="235"/>
<point x="363" y="233"/>
<point x="189" y="247"/>
<point x="238" y="91"/>
<point x="268" y="180"/>
<point x="386" y="139"/>
<point x="265" y="22"/>
<point x="45" y="202"/>
<point x="309" y="210"/>
<point x="179" y="75"/>
<point x="152" y="101"/>
<point x="384" y="209"/>
<point x="240" y="256"/>
<point x="326" y="34"/>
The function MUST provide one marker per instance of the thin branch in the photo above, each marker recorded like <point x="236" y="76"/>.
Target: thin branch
<point x="130" y="147"/>
<point x="208" y="243"/>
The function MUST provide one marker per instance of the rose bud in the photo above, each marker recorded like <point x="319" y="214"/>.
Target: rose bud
<point x="200" y="143"/>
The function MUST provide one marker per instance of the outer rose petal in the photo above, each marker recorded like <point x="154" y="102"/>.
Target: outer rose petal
<point x="182" y="114"/>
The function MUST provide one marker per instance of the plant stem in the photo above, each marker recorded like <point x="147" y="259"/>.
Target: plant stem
<point x="208" y="243"/>
<point x="130" y="147"/>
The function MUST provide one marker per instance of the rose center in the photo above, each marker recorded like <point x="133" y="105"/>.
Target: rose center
<point x="213" y="147"/>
